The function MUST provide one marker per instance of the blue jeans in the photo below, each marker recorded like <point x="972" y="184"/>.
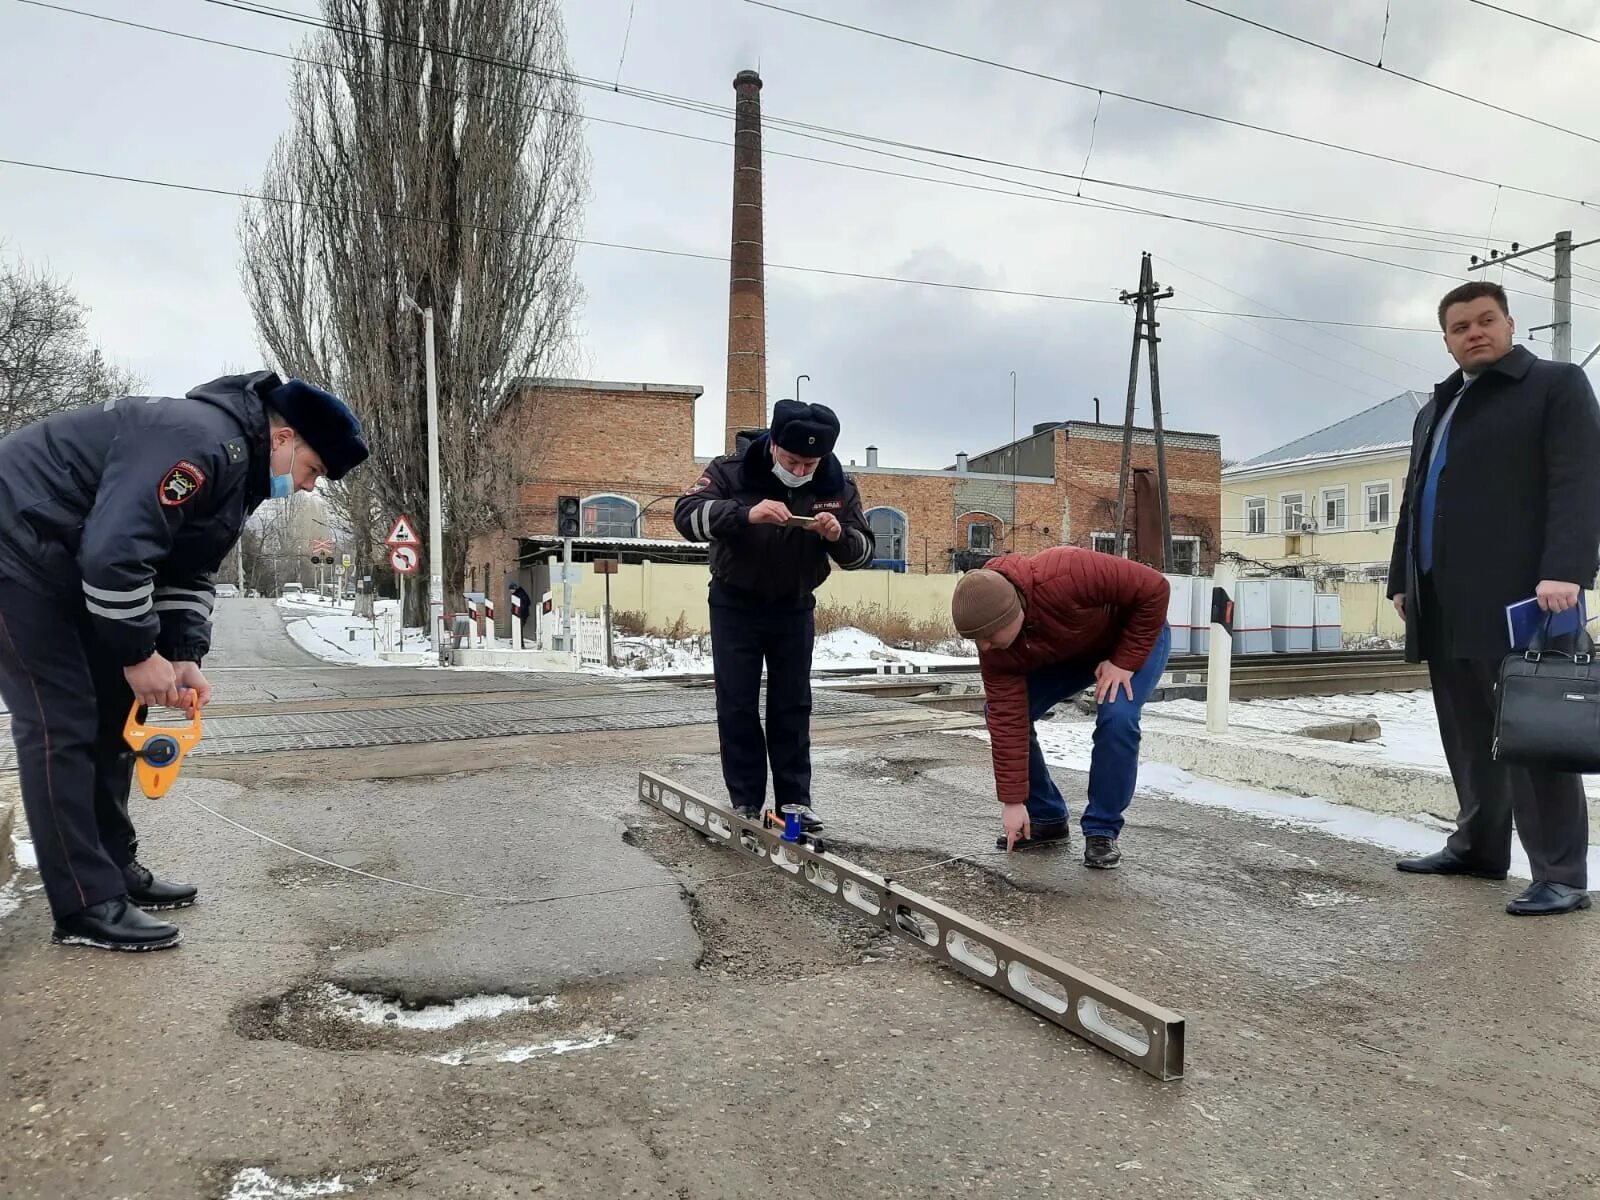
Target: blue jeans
<point x="1114" y="763"/>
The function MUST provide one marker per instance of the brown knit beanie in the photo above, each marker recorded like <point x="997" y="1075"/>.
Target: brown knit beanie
<point x="983" y="604"/>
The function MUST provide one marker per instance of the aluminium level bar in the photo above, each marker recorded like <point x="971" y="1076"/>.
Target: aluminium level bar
<point x="1117" y="1021"/>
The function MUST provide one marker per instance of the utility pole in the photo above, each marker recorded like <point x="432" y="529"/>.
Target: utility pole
<point x="1561" y="247"/>
<point x="1144" y="330"/>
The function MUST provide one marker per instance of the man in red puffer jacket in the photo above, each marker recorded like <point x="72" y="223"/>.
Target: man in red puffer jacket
<point x="1048" y="626"/>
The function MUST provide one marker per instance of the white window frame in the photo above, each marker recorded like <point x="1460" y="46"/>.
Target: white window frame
<point x="583" y="505"/>
<point x="993" y="526"/>
<point x="882" y="551"/>
<point x="1248" y="524"/>
<point x="1342" y="492"/>
<point x="1104" y="535"/>
<point x="1283" y="525"/>
<point x="1366" y="506"/>
<point x="1191" y="540"/>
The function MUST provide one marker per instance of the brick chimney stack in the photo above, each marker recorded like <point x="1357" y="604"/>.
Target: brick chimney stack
<point x="747" y="299"/>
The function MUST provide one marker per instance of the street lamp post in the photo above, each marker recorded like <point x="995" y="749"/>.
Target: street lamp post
<point x="435" y="492"/>
<point x="797" y="380"/>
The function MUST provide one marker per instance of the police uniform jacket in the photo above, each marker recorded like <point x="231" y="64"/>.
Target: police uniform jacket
<point x="772" y="564"/>
<point x="126" y="509"/>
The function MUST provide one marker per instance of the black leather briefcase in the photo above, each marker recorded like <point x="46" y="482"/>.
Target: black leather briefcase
<point x="1547" y="706"/>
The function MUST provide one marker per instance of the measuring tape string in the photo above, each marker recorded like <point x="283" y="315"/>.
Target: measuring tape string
<point x="498" y="899"/>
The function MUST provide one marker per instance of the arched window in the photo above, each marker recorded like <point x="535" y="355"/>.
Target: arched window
<point x="889" y="528"/>
<point x="610" y="516"/>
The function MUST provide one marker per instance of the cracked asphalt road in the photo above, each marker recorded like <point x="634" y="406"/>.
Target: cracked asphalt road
<point x="1351" y="1031"/>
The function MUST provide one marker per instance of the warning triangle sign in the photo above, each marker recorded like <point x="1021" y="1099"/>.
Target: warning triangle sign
<point x="403" y="533"/>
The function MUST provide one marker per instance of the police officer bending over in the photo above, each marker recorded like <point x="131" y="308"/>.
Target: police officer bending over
<point x="775" y="517"/>
<point x="113" y="519"/>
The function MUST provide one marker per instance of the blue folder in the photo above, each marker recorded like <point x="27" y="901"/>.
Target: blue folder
<point x="1525" y="619"/>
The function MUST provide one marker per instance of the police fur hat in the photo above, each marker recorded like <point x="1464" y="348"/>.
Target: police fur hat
<point x="809" y="430"/>
<point x="323" y="421"/>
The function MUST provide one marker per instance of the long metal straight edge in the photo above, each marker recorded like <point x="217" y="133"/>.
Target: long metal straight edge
<point x="1148" y="1035"/>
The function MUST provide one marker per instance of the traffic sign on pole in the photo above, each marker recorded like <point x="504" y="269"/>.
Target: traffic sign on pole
<point x="404" y="559"/>
<point x="404" y="533"/>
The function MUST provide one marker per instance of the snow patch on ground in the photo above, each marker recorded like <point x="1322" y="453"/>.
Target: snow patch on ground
<point x="335" y="634"/>
<point x="483" y="1053"/>
<point x="22" y="850"/>
<point x="373" y="1010"/>
<point x="252" y="1183"/>
<point x="1068" y="743"/>
<point x="841" y="649"/>
<point x="1410" y="728"/>
<point x="10" y="899"/>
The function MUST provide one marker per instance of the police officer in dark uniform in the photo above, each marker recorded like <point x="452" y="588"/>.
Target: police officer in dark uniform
<point x="776" y="517"/>
<point x="113" y="520"/>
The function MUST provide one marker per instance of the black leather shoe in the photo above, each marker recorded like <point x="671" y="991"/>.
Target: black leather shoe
<point x="1039" y="835"/>
<point x="1548" y="899"/>
<point x="115" y="925"/>
<point x="1446" y="863"/>
<point x="1101" y="853"/>
<point x="154" y="895"/>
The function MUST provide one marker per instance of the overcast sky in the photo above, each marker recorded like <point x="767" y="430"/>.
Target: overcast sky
<point x="920" y="372"/>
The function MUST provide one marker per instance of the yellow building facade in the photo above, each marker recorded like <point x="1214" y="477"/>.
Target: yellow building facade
<point x="1327" y="502"/>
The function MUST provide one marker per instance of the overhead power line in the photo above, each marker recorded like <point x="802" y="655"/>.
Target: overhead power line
<point x="1449" y="242"/>
<point x="1144" y="100"/>
<point x="1378" y="66"/>
<point x="1536" y="21"/>
<point x="240" y="194"/>
<point x="1446" y="244"/>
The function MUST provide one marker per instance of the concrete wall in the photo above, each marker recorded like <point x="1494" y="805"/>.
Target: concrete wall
<point x="666" y="591"/>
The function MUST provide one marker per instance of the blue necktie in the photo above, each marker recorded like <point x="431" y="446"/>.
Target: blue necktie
<point x="1430" y="488"/>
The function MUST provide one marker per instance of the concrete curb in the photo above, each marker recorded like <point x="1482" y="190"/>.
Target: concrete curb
<point x="1304" y="766"/>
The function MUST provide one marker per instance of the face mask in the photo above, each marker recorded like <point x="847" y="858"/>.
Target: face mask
<point x="283" y="485"/>
<point x="789" y="478"/>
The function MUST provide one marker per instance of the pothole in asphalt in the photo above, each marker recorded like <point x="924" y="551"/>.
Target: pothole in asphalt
<point x="755" y="924"/>
<point x="890" y="769"/>
<point x="367" y="1009"/>
<point x="327" y="1016"/>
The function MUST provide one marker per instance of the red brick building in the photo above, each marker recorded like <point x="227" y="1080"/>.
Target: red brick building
<point x="627" y="449"/>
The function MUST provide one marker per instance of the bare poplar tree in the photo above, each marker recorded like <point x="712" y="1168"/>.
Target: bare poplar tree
<point x="437" y="150"/>
<point x="46" y="361"/>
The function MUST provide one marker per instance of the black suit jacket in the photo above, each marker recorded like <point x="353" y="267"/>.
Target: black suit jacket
<point x="1518" y="502"/>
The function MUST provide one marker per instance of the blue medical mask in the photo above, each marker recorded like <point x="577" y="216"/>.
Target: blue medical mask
<point x="283" y="485"/>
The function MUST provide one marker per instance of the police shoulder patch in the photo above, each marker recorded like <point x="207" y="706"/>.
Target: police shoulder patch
<point x="179" y="485"/>
<point x="701" y="484"/>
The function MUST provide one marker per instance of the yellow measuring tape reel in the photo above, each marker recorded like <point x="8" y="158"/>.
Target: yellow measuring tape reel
<point x="158" y="750"/>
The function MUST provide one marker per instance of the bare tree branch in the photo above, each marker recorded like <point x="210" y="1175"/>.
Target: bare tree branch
<point x="394" y="163"/>
<point x="46" y="362"/>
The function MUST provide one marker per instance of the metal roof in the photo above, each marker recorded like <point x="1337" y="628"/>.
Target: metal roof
<point x="1385" y="426"/>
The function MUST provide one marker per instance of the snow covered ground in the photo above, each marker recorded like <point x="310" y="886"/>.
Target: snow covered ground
<point x="334" y="633"/>
<point x="1410" y="728"/>
<point x="1067" y="742"/>
<point x="843" y="648"/>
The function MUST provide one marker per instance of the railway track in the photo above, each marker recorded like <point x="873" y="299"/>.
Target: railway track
<point x="1253" y="677"/>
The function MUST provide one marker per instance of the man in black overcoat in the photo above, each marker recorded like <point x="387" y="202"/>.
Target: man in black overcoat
<point x="1501" y="503"/>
